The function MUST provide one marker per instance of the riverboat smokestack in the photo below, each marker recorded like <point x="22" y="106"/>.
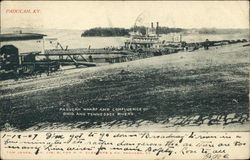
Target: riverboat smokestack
<point x="152" y="25"/>
<point x="157" y="28"/>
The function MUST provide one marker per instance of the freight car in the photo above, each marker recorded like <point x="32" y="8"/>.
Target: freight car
<point x="16" y="65"/>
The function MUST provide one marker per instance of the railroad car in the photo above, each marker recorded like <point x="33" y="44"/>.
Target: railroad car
<point x="12" y="63"/>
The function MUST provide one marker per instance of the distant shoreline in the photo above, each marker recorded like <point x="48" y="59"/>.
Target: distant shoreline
<point x="122" y="32"/>
<point x="118" y="32"/>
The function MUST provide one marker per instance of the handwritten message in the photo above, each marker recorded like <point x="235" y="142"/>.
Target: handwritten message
<point x="125" y="145"/>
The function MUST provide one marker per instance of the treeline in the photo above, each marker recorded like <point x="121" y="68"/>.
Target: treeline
<point x="166" y="30"/>
<point x="161" y="30"/>
<point x="221" y="31"/>
<point x="107" y="32"/>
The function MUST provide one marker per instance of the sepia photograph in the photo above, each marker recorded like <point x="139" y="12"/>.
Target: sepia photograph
<point x="125" y="66"/>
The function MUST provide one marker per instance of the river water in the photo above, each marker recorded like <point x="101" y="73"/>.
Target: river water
<point x="73" y="39"/>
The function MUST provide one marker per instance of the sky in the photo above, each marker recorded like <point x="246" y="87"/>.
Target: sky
<point x="85" y="15"/>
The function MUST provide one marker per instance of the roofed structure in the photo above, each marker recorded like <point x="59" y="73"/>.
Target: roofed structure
<point x="20" y="36"/>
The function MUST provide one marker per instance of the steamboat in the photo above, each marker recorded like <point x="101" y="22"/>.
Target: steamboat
<point x="15" y="62"/>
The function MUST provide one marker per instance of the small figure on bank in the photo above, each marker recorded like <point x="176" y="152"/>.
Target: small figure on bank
<point x="90" y="58"/>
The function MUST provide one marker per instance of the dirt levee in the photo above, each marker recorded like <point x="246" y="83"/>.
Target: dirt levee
<point x="186" y="88"/>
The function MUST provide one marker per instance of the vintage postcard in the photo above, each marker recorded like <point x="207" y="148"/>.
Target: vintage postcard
<point x="140" y="80"/>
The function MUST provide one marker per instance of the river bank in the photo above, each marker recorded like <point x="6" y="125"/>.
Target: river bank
<point x="200" y="88"/>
